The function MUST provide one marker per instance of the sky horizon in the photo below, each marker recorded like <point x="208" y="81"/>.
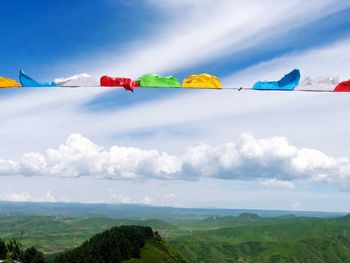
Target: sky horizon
<point x="181" y="148"/>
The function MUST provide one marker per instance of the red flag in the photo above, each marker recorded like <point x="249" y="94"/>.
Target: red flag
<point x="343" y="86"/>
<point x="127" y="83"/>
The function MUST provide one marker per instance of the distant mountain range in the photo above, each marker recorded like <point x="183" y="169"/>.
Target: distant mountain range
<point x="135" y="211"/>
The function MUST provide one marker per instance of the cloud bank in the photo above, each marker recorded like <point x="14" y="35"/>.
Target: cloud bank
<point x="272" y="161"/>
<point x="12" y="196"/>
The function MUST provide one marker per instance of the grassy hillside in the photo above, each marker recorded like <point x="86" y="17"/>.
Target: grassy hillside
<point x="244" y="238"/>
<point x="53" y="234"/>
<point x="158" y="252"/>
<point x="286" y="240"/>
<point x="211" y="249"/>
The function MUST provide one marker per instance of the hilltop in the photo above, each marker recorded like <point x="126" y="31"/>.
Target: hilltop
<point x="132" y="244"/>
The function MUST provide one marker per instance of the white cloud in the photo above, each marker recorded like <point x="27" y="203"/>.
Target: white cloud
<point x="146" y="200"/>
<point x="311" y="63"/>
<point x="81" y="157"/>
<point x="277" y="183"/>
<point x="118" y="198"/>
<point x="150" y="198"/>
<point x="273" y="158"/>
<point x="8" y="167"/>
<point x="273" y="161"/>
<point x="123" y="199"/>
<point x="16" y="196"/>
<point x="296" y="205"/>
<point x="199" y="31"/>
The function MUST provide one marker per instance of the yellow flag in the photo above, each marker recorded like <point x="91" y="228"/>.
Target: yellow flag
<point x="8" y="83"/>
<point x="203" y="81"/>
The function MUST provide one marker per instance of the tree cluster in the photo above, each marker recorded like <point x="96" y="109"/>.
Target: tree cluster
<point x="12" y="251"/>
<point x="111" y="246"/>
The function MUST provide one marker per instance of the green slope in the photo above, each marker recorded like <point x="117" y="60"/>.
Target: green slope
<point x="158" y="251"/>
<point x="299" y="240"/>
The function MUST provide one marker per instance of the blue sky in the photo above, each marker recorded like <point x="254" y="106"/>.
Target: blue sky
<point x="47" y="33"/>
<point x="172" y="147"/>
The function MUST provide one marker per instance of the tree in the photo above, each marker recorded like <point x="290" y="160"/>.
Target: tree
<point x="31" y="255"/>
<point x="3" y="249"/>
<point x="112" y="246"/>
<point x="14" y="249"/>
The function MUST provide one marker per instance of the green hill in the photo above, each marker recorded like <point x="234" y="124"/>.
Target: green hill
<point x="249" y="216"/>
<point x="245" y="219"/>
<point x="121" y="244"/>
<point x="296" y="240"/>
<point x="158" y="252"/>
